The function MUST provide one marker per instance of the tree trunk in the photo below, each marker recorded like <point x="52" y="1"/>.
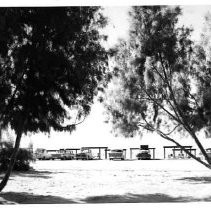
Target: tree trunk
<point x="0" y="133"/>
<point x="185" y="150"/>
<point x="201" y="147"/>
<point x="13" y="157"/>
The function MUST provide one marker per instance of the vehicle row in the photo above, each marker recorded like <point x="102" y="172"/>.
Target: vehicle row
<point x="62" y="154"/>
<point x="119" y="154"/>
<point x="86" y="154"/>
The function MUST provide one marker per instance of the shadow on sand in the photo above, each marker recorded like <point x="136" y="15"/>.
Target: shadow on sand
<point x="197" y="180"/>
<point x="27" y="198"/>
<point x="32" y="174"/>
<point x="139" y="198"/>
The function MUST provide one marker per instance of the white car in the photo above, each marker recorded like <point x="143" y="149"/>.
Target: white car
<point x="85" y="154"/>
<point x="42" y="154"/>
<point x="54" y="154"/>
<point x="117" y="154"/>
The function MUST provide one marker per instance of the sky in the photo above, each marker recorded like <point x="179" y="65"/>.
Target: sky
<point x="93" y="131"/>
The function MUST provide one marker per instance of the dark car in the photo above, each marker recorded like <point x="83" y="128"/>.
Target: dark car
<point x="144" y="155"/>
<point x="67" y="155"/>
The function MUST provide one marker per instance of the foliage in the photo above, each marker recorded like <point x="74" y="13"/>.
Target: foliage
<point x="202" y="74"/>
<point x="52" y="61"/>
<point x="23" y="159"/>
<point x="155" y="75"/>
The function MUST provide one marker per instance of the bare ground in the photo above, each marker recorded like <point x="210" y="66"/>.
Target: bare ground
<point x="104" y="181"/>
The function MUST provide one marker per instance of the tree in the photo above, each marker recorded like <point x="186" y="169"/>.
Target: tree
<point x="52" y="62"/>
<point x="157" y="75"/>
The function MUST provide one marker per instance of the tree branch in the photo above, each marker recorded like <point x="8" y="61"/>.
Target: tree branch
<point x="183" y="148"/>
<point x="70" y="127"/>
<point x="167" y="134"/>
<point x="161" y="76"/>
<point x="166" y="82"/>
<point x="176" y="119"/>
<point x="184" y="122"/>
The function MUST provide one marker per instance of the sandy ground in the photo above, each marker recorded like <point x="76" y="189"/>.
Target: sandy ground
<point x="104" y="181"/>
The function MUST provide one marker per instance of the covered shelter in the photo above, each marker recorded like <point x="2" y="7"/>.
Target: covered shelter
<point x="75" y="150"/>
<point x="53" y="150"/>
<point x="136" y="148"/>
<point x="174" y="149"/>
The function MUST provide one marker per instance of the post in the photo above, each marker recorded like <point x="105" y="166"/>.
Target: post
<point x="131" y="153"/>
<point x="99" y="153"/>
<point x="164" y="152"/>
<point x="125" y="152"/>
<point x="190" y="150"/>
<point x="106" y="150"/>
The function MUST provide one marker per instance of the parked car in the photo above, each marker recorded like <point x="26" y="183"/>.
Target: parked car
<point x="85" y="154"/>
<point x="42" y="154"/>
<point x="144" y="153"/>
<point x="54" y="154"/>
<point x="208" y="150"/>
<point x="116" y="154"/>
<point x="67" y="154"/>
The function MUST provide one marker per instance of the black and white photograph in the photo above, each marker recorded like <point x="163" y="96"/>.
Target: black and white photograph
<point x="105" y="104"/>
